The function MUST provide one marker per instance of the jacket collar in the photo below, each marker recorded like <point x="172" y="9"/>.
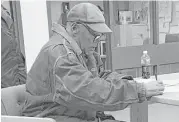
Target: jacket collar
<point x="61" y="30"/>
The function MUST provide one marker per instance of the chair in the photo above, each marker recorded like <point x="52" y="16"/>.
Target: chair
<point x="12" y="99"/>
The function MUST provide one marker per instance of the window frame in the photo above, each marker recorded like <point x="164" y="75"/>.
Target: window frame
<point x="129" y="57"/>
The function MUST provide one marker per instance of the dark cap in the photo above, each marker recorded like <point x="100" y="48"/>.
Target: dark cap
<point x="89" y="14"/>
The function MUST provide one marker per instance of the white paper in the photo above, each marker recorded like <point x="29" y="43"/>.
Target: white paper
<point x="172" y="89"/>
<point x="171" y="82"/>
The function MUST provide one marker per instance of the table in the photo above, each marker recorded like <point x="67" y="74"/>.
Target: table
<point x="139" y="111"/>
<point x="153" y="111"/>
<point x="24" y="119"/>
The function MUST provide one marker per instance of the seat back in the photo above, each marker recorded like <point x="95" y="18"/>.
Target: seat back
<point x="12" y="99"/>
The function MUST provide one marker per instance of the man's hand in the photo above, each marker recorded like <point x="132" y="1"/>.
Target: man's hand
<point x="153" y="87"/>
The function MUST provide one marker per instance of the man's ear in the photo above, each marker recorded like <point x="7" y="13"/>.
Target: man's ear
<point x="75" y="29"/>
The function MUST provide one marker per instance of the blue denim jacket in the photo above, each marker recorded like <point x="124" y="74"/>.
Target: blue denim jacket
<point x="60" y="84"/>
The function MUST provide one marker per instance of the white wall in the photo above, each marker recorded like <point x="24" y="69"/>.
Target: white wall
<point x="35" y="28"/>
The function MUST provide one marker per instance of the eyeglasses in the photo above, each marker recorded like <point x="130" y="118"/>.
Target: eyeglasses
<point x="96" y="36"/>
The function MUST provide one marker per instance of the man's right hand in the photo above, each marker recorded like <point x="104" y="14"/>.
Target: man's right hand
<point x="153" y="88"/>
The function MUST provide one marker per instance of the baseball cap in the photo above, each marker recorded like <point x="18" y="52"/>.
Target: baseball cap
<point x="90" y="15"/>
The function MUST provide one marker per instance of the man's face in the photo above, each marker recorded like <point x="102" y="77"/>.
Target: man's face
<point x="89" y="39"/>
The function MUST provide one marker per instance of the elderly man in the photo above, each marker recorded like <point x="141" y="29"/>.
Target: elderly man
<point x="63" y="82"/>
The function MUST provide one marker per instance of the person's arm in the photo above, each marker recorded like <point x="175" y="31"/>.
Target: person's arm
<point x="76" y="87"/>
<point x="12" y="61"/>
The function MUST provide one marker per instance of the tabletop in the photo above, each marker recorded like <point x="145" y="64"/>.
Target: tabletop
<point x="171" y="93"/>
<point x="139" y="111"/>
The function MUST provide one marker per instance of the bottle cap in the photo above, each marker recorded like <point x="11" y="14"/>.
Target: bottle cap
<point x="144" y="52"/>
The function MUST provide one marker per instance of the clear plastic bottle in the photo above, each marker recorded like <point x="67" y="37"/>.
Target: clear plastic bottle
<point x="145" y="63"/>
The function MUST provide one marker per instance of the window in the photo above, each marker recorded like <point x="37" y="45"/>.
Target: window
<point x="132" y="27"/>
<point x="168" y="21"/>
<point x="130" y="39"/>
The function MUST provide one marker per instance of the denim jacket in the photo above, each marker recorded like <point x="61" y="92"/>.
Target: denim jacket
<point x="59" y="83"/>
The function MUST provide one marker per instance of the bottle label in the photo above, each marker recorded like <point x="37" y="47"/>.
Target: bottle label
<point x="145" y="72"/>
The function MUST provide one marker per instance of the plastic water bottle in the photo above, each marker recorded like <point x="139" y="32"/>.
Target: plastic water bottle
<point x="145" y="62"/>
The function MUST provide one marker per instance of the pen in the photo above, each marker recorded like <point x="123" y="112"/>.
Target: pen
<point x="156" y="76"/>
<point x="156" y="72"/>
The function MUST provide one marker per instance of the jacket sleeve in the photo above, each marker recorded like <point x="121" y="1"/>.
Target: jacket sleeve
<point x="76" y="87"/>
<point x="12" y="61"/>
